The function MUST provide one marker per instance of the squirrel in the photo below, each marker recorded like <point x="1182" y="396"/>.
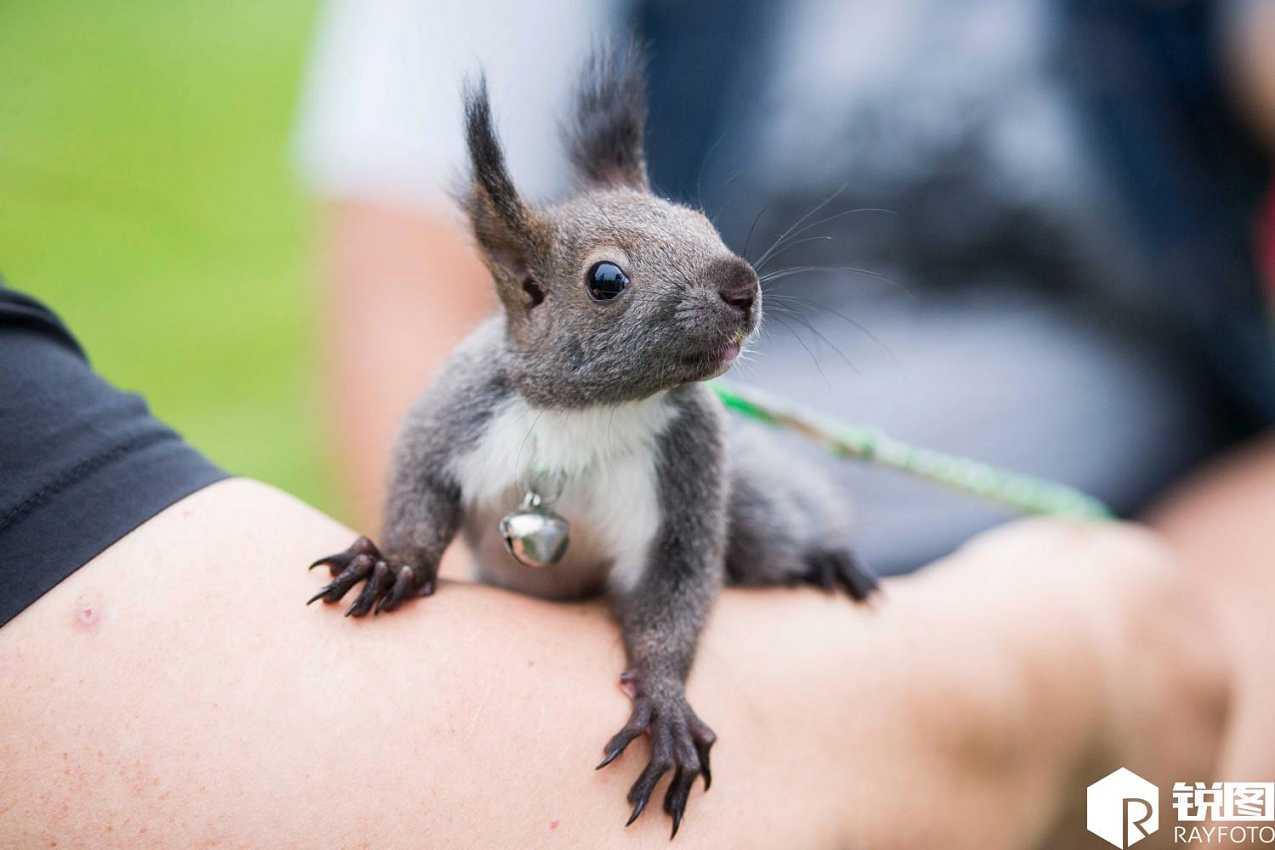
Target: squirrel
<point x="617" y="306"/>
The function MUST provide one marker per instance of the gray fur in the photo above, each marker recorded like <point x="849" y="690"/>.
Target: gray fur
<point x="604" y="136"/>
<point x="662" y="616"/>
<point x="423" y="511"/>
<point x="783" y="508"/>
<point x="735" y="510"/>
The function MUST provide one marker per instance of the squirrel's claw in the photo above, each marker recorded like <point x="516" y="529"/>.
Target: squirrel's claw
<point x="638" y="723"/>
<point x="360" y="566"/>
<point x="678" y="792"/>
<point x="704" y="739"/>
<point x="386" y="587"/>
<point x="680" y="742"/>
<point x="405" y="586"/>
<point x="373" y="590"/>
<point x="341" y="561"/>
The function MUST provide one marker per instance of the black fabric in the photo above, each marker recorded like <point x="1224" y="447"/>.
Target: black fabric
<point x="1151" y="79"/>
<point x="703" y="59"/>
<point x="81" y="462"/>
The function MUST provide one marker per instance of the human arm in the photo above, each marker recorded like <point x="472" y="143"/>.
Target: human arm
<point x="175" y="691"/>
<point x="1249" y="37"/>
<point x="400" y="288"/>
<point x="1219" y="523"/>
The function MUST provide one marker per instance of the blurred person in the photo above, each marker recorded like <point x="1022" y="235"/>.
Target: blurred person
<point x="1044" y="250"/>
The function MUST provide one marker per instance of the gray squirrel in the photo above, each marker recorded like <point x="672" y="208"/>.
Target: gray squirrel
<point x="617" y="306"/>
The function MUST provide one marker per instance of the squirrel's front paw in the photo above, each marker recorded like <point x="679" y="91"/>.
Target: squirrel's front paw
<point x="680" y="742"/>
<point x="387" y="586"/>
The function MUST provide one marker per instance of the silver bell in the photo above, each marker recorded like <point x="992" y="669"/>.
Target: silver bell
<point x="533" y="534"/>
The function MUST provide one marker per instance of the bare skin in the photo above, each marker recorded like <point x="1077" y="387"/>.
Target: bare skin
<point x="401" y="287"/>
<point x="175" y="693"/>
<point x="1220" y="524"/>
<point x="1249" y="38"/>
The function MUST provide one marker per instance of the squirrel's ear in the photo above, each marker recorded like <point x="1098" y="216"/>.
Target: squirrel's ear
<point x="605" y="136"/>
<point x="508" y="231"/>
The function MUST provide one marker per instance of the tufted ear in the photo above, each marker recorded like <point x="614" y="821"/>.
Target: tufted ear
<point x="509" y="232"/>
<point x="605" y="135"/>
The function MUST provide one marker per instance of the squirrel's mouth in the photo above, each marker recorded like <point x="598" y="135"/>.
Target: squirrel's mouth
<point x="712" y="362"/>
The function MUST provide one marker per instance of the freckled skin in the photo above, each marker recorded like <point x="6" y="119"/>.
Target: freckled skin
<point x="729" y="506"/>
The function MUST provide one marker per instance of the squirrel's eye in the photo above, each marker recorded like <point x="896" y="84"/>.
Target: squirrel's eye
<point x="605" y="281"/>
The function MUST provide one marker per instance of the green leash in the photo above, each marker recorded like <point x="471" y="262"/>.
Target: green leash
<point x="1023" y="492"/>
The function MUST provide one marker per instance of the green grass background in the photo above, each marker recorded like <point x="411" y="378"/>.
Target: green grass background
<point x="147" y="195"/>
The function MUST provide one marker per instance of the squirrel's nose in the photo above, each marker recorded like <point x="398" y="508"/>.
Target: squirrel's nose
<point x="737" y="285"/>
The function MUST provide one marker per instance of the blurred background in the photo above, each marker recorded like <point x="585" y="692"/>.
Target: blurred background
<point x="1032" y="231"/>
<point x="147" y="194"/>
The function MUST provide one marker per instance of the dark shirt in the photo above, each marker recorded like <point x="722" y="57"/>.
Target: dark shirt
<point x="81" y="462"/>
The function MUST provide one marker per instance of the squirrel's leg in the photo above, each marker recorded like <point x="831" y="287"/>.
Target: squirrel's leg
<point x="422" y="514"/>
<point x="789" y="523"/>
<point x="662" y="612"/>
<point x="661" y="624"/>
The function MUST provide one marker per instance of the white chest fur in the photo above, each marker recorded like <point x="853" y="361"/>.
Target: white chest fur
<point x="605" y="460"/>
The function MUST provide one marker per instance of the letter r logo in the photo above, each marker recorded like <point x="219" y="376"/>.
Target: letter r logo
<point x="1122" y="808"/>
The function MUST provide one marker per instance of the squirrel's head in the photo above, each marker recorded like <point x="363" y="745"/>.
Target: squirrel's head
<point x="613" y="294"/>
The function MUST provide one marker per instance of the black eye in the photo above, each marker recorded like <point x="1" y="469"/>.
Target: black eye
<point x="605" y="281"/>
